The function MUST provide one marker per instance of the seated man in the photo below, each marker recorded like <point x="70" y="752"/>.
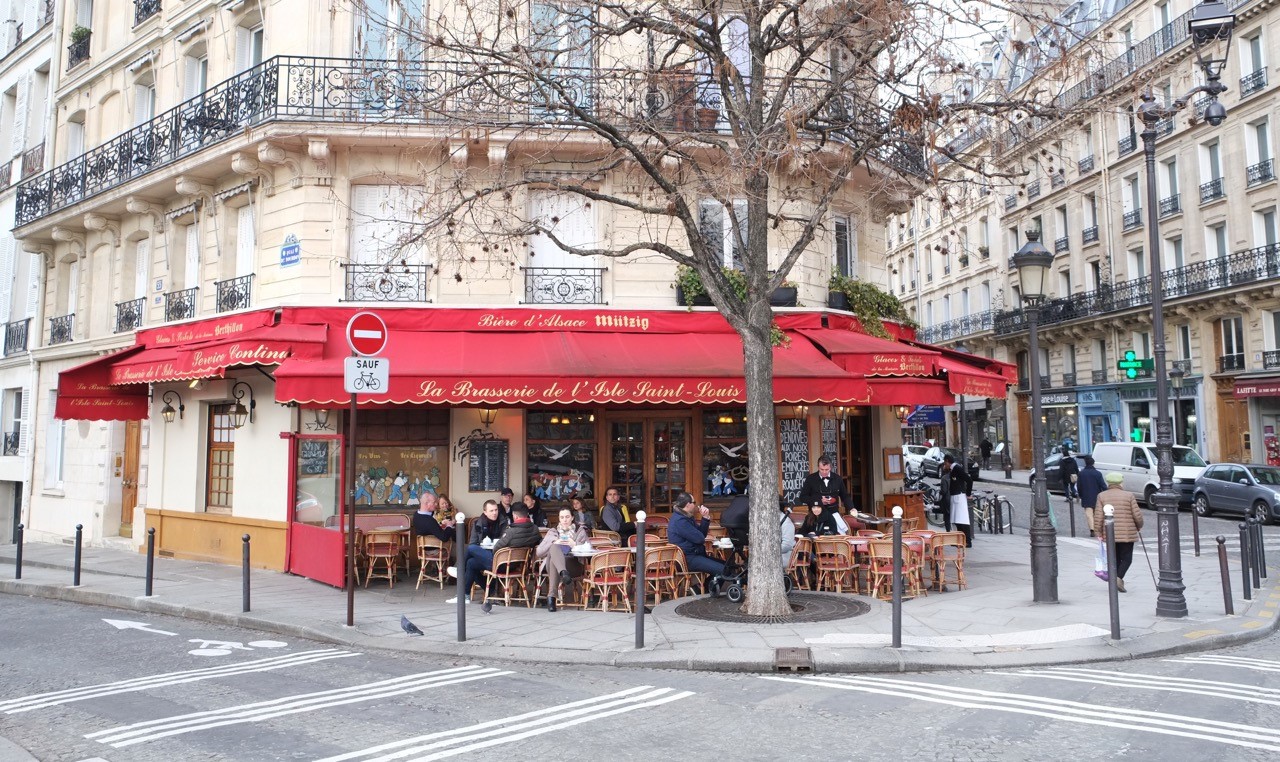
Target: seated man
<point x="614" y="515"/>
<point x="489" y="525"/>
<point x="424" y="521"/>
<point x="520" y="534"/>
<point x="687" y="530"/>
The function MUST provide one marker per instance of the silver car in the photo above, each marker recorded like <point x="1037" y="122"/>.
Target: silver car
<point x="1244" y="489"/>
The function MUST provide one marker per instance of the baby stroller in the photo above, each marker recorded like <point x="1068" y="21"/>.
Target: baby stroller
<point x="736" y="519"/>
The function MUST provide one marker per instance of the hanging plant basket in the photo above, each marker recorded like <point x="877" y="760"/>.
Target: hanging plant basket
<point x="700" y="300"/>
<point x="838" y="300"/>
<point x="784" y="296"/>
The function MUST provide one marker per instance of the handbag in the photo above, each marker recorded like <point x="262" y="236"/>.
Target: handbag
<point x="1100" y="562"/>
<point x="1075" y="478"/>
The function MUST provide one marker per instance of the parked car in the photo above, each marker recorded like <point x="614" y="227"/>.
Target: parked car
<point x="933" y="462"/>
<point x="1053" y="472"/>
<point x="913" y="457"/>
<point x="1244" y="489"/>
<point x="1136" y="462"/>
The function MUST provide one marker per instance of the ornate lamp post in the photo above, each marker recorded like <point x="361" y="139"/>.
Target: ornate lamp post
<point x="1210" y="23"/>
<point x="1033" y="261"/>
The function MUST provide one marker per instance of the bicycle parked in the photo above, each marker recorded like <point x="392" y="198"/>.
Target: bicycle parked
<point x="990" y="511"/>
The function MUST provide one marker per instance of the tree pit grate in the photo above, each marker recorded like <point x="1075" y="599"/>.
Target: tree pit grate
<point x="805" y="607"/>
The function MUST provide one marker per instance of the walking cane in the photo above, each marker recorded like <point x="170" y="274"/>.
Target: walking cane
<point x="1144" y="555"/>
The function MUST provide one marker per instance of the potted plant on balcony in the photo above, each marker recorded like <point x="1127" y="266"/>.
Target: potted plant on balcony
<point x="984" y="252"/>
<point x="871" y="305"/>
<point x="79" y="34"/>
<point x="691" y="293"/>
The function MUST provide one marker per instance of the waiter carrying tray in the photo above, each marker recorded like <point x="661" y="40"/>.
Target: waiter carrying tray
<point x="825" y="488"/>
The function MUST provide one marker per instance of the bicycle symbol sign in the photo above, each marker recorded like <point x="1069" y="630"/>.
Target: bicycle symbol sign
<point x="365" y="374"/>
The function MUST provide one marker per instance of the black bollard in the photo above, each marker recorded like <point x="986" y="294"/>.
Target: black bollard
<point x="1225" y="573"/>
<point x="640" y="517"/>
<point x="1259" y="555"/>
<point x="75" y="571"/>
<point x="17" y="559"/>
<point x="1244" y="561"/>
<point x="151" y="558"/>
<point x="1195" y="531"/>
<point x="897" y="577"/>
<point x="1253" y="553"/>
<point x="999" y="517"/>
<point x="1113" y="592"/>
<point x="460" y="548"/>
<point x="1071" y="511"/>
<point x="1262" y="552"/>
<point x="244" y="573"/>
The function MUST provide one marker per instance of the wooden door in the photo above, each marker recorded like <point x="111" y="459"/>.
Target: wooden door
<point x="649" y="459"/>
<point x="129" y="476"/>
<point x="1233" y="424"/>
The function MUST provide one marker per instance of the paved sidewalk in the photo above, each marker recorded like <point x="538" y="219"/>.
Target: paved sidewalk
<point x="993" y="623"/>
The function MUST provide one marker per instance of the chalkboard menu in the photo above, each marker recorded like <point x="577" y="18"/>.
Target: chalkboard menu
<point x="793" y="442"/>
<point x="488" y="468"/>
<point x="313" y="457"/>
<point x="831" y="438"/>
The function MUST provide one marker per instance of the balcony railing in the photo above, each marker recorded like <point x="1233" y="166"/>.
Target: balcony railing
<point x="15" y="336"/>
<point x="1232" y="362"/>
<point x="1058" y="179"/>
<point x="1184" y="365"/>
<point x="235" y="293"/>
<point x="384" y="283"/>
<point x="1271" y="359"/>
<point x="1252" y="83"/>
<point x="1033" y="190"/>
<point x="1171" y="205"/>
<point x="1164" y="127"/>
<point x="1089" y="234"/>
<point x="1213" y="190"/>
<point x="1262" y="172"/>
<point x="33" y="161"/>
<point x="1046" y="382"/>
<point x="412" y="92"/>
<point x="6" y="174"/>
<point x="564" y="285"/>
<point x="62" y="329"/>
<point x="1068" y="379"/>
<point x="1133" y="219"/>
<point x="1085" y="165"/>
<point x="1061" y="245"/>
<point x="1200" y="104"/>
<point x="1127" y="144"/>
<point x="180" y="305"/>
<point x="1010" y="202"/>
<point x="144" y="9"/>
<point x="129" y="314"/>
<point x="78" y="51"/>
<point x="1099" y="376"/>
<point x="12" y="439"/>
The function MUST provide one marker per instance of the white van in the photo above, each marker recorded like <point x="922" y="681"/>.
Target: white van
<point x="1136" y="461"/>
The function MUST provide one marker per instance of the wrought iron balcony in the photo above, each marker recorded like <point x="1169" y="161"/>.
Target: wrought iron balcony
<point x="1099" y="376"/>
<point x="1262" y="172"/>
<point x="1085" y="165"/>
<point x="1127" y="144"/>
<point x="1164" y="127"/>
<point x="1232" y="362"/>
<point x="235" y="293"/>
<point x="1133" y="219"/>
<point x="33" y="161"/>
<point x="1171" y="205"/>
<point x="385" y="283"/>
<point x="6" y="174"/>
<point x="12" y="439"/>
<point x="78" y="51"/>
<point x="1271" y="359"/>
<point x="1033" y="190"/>
<point x="1213" y="190"/>
<point x="564" y="285"/>
<point x="144" y="9"/>
<point x="15" y="336"/>
<point x="1010" y="202"/>
<point x="1089" y="234"/>
<point x="1045" y="382"/>
<point x="62" y="329"/>
<point x="1068" y="379"/>
<point x="46" y="12"/>
<point x="180" y="305"/>
<point x="1062" y="244"/>
<point x="129" y="314"/>
<point x="1253" y="82"/>
<point x="1058" y="179"/>
<point x="1024" y="383"/>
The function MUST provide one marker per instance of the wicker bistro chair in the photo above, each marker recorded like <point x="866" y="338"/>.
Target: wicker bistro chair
<point x="872" y="533"/>
<point x="881" y="563"/>
<point x="511" y="572"/>
<point x="657" y="524"/>
<point x="604" y="534"/>
<point x="801" y="560"/>
<point x="434" y="556"/>
<point x="650" y="540"/>
<point x="382" y="549"/>
<point x="947" y="555"/>
<point x="663" y="571"/>
<point x="609" y="576"/>
<point x="836" y="568"/>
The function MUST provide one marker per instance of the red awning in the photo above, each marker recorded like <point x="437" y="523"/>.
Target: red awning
<point x="866" y="355"/>
<point x="267" y="345"/>
<point x="965" y="379"/>
<point x="909" y="391"/>
<point x="983" y="364"/>
<point x="85" y="392"/>
<point x="1257" y="387"/>
<point x="565" y="367"/>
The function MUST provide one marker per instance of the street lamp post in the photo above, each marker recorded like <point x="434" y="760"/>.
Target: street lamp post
<point x="1033" y="261"/>
<point x="1209" y="23"/>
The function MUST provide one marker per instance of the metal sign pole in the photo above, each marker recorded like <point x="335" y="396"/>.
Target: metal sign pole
<point x="350" y="436"/>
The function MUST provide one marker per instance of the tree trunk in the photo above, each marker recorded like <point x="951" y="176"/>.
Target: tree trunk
<point x="765" y="593"/>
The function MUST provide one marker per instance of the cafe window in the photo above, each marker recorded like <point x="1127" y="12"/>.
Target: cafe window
<point x="220" y="482"/>
<point x="400" y="454"/>
<point x="724" y="453"/>
<point x="560" y="455"/>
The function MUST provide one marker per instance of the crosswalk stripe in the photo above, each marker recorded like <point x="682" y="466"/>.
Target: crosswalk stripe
<point x="505" y="730"/>
<point x="1217" y="689"/>
<point x="1257" y="665"/>
<point x="54" y="698"/>
<point x="1055" y="709"/>
<point x="150" y="730"/>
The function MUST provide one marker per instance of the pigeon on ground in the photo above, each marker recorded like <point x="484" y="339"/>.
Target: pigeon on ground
<point x="408" y="626"/>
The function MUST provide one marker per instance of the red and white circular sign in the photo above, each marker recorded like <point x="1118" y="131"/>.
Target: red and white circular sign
<point x="366" y="334"/>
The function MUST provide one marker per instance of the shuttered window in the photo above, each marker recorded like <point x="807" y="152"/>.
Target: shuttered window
<point x="246" y="241"/>
<point x="381" y="224"/>
<point x="570" y="218"/>
<point x="141" y="267"/>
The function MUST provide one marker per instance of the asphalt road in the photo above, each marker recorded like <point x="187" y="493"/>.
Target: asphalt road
<point x="77" y="687"/>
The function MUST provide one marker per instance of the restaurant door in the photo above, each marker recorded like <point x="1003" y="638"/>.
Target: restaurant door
<point x="129" y="476"/>
<point x="315" y="544"/>
<point x="649" y="459"/>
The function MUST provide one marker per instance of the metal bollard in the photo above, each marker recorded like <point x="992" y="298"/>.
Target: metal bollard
<point x="1071" y="511"/>
<point x="1113" y="592"/>
<point x="244" y="573"/>
<point x="460" y="552"/>
<point x="75" y="572"/>
<point x="1195" y="531"/>
<point x="17" y="559"/>
<point x="897" y="576"/>
<point x="999" y="517"/>
<point x="151" y="558"/>
<point x="640" y="517"/>
<point x="1225" y="573"/>
<point x="1253" y="553"/>
<point x="1259" y="553"/>
<point x="1244" y="561"/>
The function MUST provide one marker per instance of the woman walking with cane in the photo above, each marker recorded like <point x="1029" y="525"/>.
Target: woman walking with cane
<point x="1128" y="522"/>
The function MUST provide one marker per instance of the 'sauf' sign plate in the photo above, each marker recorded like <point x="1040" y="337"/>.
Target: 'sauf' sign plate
<point x="365" y="375"/>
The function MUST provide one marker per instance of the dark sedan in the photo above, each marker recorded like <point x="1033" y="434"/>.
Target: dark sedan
<point x="1053" y="472"/>
<point x="933" y="462"/>
<point x="1244" y="489"/>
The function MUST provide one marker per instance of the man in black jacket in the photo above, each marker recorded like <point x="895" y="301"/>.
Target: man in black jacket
<point x="824" y="487"/>
<point x="424" y="521"/>
<point x="521" y="534"/>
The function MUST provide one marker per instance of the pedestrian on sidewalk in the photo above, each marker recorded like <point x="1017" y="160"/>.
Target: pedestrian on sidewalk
<point x="1070" y="473"/>
<point x="1091" y="484"/>
<point x="986" y="447"/>
<point x="1128" y="522"/>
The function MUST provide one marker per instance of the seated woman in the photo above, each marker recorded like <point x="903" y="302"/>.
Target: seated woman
<point x="581" y="516"/>
<point x="555" y="547"/>
<point x="788" y="533"/>
<point x="536" y="513"/>
<point x="820" y="523"/>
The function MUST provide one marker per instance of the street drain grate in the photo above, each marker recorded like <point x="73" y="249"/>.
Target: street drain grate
<point x="805" y="607"/>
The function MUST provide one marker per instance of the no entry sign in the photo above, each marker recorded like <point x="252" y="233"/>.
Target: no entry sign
<point x="366" y="334"/>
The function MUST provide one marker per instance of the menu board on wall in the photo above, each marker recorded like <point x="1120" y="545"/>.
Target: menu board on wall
<point x="488" y="467"/>
<point x="831" y="438"/>
<point x="313" y="457"/>
<point x="793" y="444"/>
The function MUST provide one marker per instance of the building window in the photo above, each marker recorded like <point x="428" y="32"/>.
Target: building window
<point x="399" y="454"/>
<point x="248" y="47"/>
<point x="561" y="455"/>
<point x="246" y="241"/>
<point x="1233" y="336"/>
<point x="845" y="248"/>
<point x="221" y="460"/>
<point x="571" y="219"/>
<point x="716" y="223"/>
<point x="1184" y="342"/>
<point x="1216" y="241"/>
<point x="724" y="452"/>
<point x="1137" y="264"/>
<point x="195" y="75"/>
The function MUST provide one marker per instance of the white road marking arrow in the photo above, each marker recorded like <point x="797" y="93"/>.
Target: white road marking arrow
<point x="122" y="624"/>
